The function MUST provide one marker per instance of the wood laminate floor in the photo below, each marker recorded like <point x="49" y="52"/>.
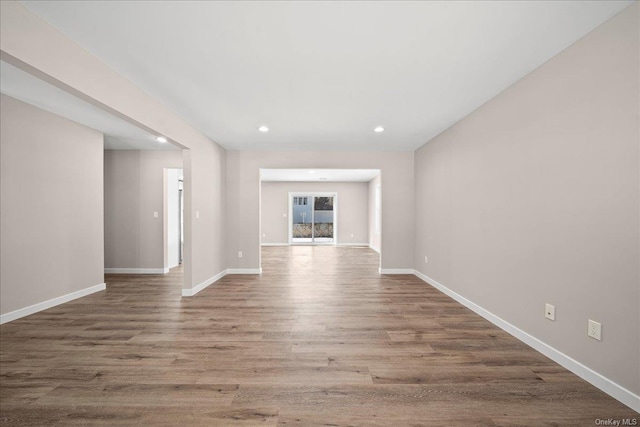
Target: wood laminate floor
<point x="320" y="338"/>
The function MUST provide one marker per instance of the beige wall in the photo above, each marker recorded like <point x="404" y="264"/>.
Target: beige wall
<point x="133" y="191"/>
<point x="243" y="186"/>
<point x="352" y="209"/>
<point x="31" y="44"/>
<point x="50" y="206"/>
<point x="533" y="198"/>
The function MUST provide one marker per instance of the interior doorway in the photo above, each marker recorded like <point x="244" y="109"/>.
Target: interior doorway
<point x="174" y="218"/>
<point x="313" y="218"/>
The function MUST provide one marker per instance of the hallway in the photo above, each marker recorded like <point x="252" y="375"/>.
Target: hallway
<point x="320" y="338"/>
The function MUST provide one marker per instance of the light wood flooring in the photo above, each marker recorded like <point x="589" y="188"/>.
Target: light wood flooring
<point x="320" y="338"/>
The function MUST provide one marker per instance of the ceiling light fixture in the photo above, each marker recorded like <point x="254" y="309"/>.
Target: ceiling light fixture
<point x="161" y="139"/>
<point x="312" y="171"/>
<point x="263" y="129"/>
<point x="378" y="129"/>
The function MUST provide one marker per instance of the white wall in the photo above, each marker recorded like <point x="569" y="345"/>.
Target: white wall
<point x="243" y="194"/>
<point x="352" y="209"/>
<point x="133" y="191"/>
<point x="51" y="206"/>
<point x="534" y="198"/>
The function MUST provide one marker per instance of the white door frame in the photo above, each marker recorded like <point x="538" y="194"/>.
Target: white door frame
<point x="313" y="194"/>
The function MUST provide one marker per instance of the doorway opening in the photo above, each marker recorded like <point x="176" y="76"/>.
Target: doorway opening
<point x="299" y="207"/>
<point x="174" y="218"/>
<point x="313" y="218"/>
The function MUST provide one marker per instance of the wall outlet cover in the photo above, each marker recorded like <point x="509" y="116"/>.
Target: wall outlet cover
<point x="594" y="330"/>
<point x="550" y="311"/>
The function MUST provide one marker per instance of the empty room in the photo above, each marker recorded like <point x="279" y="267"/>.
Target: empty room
<point x="331" y="213"/>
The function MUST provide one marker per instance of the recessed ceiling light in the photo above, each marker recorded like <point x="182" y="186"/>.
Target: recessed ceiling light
<point x="263" y="129"/>
<point x="312" y="171"/>
<point x="378" y="129"/>
<point x="161" y="139"/>
<point x="323" y="178"/>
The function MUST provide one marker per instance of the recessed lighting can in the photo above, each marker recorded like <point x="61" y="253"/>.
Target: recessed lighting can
<point x="161" y="139"/>
<point x="263" y="129"/>
<point x="378" y="129"/>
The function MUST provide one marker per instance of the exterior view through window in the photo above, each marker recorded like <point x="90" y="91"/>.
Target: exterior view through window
<point x="312" y="219"/>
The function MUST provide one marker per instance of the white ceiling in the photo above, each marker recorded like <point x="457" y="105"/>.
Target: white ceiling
<point x="119" y="135"/>
<point x="321" y="75"/>
<point x="319" y="175"/>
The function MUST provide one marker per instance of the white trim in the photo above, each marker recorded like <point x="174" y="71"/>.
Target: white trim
<point x="613" y="389"/>
<point x="26" y="311"/>
<point x="244" y="270"/>
<point x="395" y="270"/>
<point x="275" y="244"/>
<point x="186" y="292"/>
<point x="364" y="245"/>
<point x="374" y="248"/>
<point x="210" y="281"/>
<point x="136" y="270"/>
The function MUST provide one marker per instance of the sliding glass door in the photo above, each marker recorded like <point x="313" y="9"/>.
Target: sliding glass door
<point x="312" y="218"/>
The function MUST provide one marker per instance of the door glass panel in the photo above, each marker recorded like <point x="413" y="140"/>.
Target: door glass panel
<point x="323" y="219"/>
<point x="302" y="219"/>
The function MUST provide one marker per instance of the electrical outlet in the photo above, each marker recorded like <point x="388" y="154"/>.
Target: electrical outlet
<point x="594" y="330"/>
<point x="550" y="311"/>
<point x="264" y="235"/>
<point x="239" y="254"/>
<point x="155" y="214"/>
<point x="426" y="259"/>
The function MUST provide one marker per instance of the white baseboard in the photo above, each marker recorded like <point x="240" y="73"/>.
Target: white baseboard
<point x="22" y="312"/>
<point x="375" y="249"/>
<point x="395" y="270"/>
<point x="136" y="270"/>
<point x="244" y="271"/>
<point x="364" y="245"/>
<point x="275" y="244"/>
<point x="613" y="389"/>
<point x="210" y="281"/>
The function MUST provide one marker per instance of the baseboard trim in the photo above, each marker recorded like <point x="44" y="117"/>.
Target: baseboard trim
<point x="613" y="389"/>
<point x="210" y="281"/>
<point x="395" y="270"/>
<point x="274" y="244"/>
<point x="362" y="245"/>
<point x="35" y="308"/>
<point x="136" y="270"/>
<point x="244" y="271"/>
<point x="374" y="248"/>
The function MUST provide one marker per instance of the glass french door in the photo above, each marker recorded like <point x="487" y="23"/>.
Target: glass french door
<point x="312" y="218"/>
